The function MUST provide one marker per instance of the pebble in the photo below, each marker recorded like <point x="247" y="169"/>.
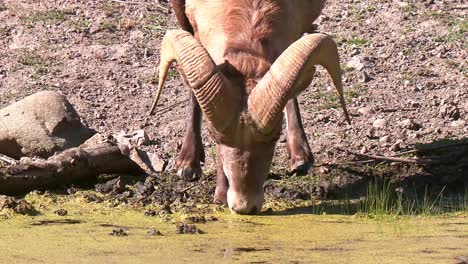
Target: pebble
<point x="154" y="232"/>
<point x="458" y="123"/>
<point x="385" y="139"/>
<point x="379" y="123"/>
<point x="364" y="77"/>
<point x="410" y="124"/>
<point x="449" y="111"/>
<point x="366" y="111"/>
<point x="61" y="212"/>
<point x="355" y="63"/>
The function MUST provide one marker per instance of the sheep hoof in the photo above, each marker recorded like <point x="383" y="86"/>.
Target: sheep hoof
<point x="300" y="168"/>
<point x="189" y="174"/>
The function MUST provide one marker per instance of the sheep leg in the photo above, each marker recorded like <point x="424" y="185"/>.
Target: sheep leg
<point x="300" y="156"/>
<point x="222" y="184"/>
<point x="192" y="152"/>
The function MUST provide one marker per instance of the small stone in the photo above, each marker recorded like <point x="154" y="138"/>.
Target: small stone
<point x="395" y="147"/>
<point x="410" y="124"/>
<point x="385" y="139"/>
<point x="61" y="212"/>
<point x="323" y="170"/>
<point x="364" y="150"/>
<point x="115" y="186"/>
<point x="364" y="77"/>
<point x="188" y="229"/>
<point x="154" y="232"/>
<point x="98" y="115"/>
<point x="366" y="111"/>
<point x="355" y="63"/>
<point x="157" y="163"/>
<point x="414" y="104"/>
<point x="150" y="212"/>
<point x="212" y="218"/>
<point x="458" y="123"/>
<point x="414" y="136"/>
<point x="449" y="111"/>
<point x="379" y="123"/>
<point x="323" y="118"/>
<point x="355" y="51"/>
<point x="118" y="232"/>
<point x="18" y="206"/>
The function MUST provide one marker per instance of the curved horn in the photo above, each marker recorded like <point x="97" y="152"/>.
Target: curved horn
<point x="290" y="74"/>
<point x="216" y="96"/>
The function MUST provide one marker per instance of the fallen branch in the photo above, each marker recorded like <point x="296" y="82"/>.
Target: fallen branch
<point x="8" y="160"/>
<point x="433" y="148"/>
<point x="393" y="159"/>
<point x="460" y="7"/>
<point x="72" y="165"/>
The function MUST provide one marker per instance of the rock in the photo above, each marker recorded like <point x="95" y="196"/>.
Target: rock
<point x="355" y="63"/>
<point x="364" y="77"/>
<point x="385" y="139"/>
<point x="188" y="229"/>
<point x="323" y="170"/>
<point x="379" y="123"/>
<point x="366" y="111"/>
<point x="449" y="111"/>
<point x="410" y="124"/>
<point x="355" y="51"/>
<point x="118" y="232"/>
<point x="323" y="118"/>
<point x="157" y="164"/>
<point x="458" y="123"/>
<point x="113" y="186"/>
<point x="61" y="212"/>
<point x="154" y="232"/>
<point x="150" y="212"/>
<point x="136" y="138"/>
<point x="18" y="206"/>
<point x="414" y="104"/>
<point x="396" y="146"/>
<point x="40" y="125"/>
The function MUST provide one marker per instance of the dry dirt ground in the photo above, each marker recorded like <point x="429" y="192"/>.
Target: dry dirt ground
<point x="405" y="74"/>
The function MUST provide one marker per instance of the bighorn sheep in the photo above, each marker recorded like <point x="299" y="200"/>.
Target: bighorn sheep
<point x="245" y="62"/>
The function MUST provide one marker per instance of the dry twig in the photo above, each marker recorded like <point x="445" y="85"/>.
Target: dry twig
<point x="8" y="160"/>
<point x="393" y="159"/>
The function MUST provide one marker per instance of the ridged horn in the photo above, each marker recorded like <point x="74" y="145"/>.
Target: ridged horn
<point x="290" y="74"/>
<point x="218" y="100"/>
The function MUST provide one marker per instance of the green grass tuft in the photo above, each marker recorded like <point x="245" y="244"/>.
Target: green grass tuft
<point x="54" y="16"/>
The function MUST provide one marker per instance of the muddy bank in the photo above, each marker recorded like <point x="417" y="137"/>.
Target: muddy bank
<point x="99" y="232"/>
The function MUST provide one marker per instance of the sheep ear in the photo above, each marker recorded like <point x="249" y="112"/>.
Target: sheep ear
<point x="218" y="100"/>
<point x="291" y="73"/>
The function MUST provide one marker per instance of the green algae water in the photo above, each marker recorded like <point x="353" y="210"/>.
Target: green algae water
<point x="83" y="236"/>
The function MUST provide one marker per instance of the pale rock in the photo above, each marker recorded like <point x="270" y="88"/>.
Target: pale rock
<point x="379" y="123"/>
<point x="355" y="63"/>
<point x="458" y="123"/>
<point x="385" y="139"/>
<point x="366" y="111"/>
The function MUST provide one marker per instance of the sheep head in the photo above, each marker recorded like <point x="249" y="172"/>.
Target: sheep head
<point x="246" y="125"/>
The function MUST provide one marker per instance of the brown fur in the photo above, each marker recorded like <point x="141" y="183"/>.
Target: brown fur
<point x="244" y="38"/>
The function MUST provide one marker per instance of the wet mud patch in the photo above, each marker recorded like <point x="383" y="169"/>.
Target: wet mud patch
<point x="57" y="222"/>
